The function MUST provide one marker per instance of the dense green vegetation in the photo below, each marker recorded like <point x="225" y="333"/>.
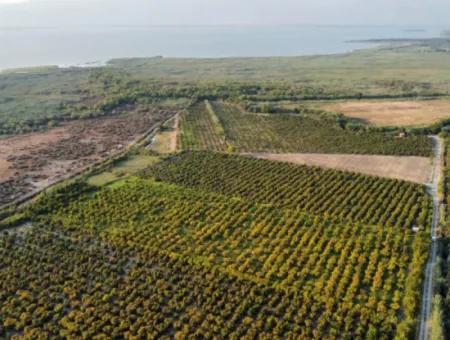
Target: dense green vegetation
<point x="441" y="301"/>
<point x="393" y="70"/>
<point x="201" y="129"/>
<point x="35" y="99"/>
<point x="225" y="126"/>
<point x="40" y="99"/>
<point x="214" y="245"/>
<point x="325" y="192"/>
<point x="166" y="260"/>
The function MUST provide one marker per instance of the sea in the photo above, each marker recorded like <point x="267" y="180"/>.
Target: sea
<point x="90" y="46"/>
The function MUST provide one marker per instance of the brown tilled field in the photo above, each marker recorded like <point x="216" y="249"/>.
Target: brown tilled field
<point x="34" y="161"/>
<point x="414" y="169"/>
<point x="390" y="113"/>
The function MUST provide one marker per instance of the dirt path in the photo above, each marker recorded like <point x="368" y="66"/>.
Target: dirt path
<point x="166" y="141"/>
<point x="414" y="169"/>
<point x="174" y="135"/>
<point x="428" y="281"/>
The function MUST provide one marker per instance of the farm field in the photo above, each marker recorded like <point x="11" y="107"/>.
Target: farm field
<point x="286" y="185"/>
<point x="414" y="169"/>
<point x="200" y="129"/>
<point x="254" y="212"/>
<point x="394" y="113"/>
<point x="242" y="263"/>
<point x="166" y="140"/>
<point x="34" y="161"/>
<point x="245" y="132"/>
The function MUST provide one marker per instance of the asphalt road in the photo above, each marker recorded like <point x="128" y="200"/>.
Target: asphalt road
<point x="428" y="282"/>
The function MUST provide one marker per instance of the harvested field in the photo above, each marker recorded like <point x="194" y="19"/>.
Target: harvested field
<point x="399" y="113"/>
<point x="31" y="162"/>
<point x="414" y="169"/>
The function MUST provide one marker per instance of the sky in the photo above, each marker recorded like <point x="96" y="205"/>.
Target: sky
<point x="32" y="13"/>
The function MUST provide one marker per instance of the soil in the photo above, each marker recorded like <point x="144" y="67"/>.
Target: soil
<point x="174" y="134"/>
<point x="414" y="169"/>
<point x="399" y="113"/>
<point x="166" y="141"/>
<point x="31" y="162"/>
<point x="5" y="171"/>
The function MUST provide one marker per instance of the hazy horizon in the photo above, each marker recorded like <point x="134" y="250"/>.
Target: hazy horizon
<point x="72" y="32"/>
<point x="67" y="46"/>
<point x="37" y="13"/>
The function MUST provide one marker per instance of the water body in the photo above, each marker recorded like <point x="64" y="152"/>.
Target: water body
<point x="27" y="46"/>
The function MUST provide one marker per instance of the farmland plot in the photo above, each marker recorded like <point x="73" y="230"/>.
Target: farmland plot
<point x="238" y="268"/>
<point x="34" y="161"/>
<point x="201" y="130"/>
<point x="415" y="169"/>
<point x="245" y="132"/>
<point x="394" y="113"/>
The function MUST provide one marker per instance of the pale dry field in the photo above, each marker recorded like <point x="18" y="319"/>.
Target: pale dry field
<point x="394" y="113"/>
<point x="414" y="169"/>
<point x="165" y="142"/>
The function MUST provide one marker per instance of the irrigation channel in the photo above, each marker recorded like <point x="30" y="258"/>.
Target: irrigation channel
<point x="432" y="187"/>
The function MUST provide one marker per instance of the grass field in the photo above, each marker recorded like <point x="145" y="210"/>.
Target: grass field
<point x="394" y="113"/>
<point x="415" y="169"/>
<point x="128" y="166"/>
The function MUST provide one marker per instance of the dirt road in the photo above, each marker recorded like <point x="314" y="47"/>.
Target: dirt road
<point x="428" y="282"/>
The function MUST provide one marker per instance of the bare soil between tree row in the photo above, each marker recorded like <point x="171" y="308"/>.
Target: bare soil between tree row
<point x="394" y="113"/>
<point x="414" y="169"/>
<point x="34" y="161"/>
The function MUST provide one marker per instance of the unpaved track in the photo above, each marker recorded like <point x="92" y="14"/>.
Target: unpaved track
<point x="427" y="296"/>
<point x="166" y="141"/>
